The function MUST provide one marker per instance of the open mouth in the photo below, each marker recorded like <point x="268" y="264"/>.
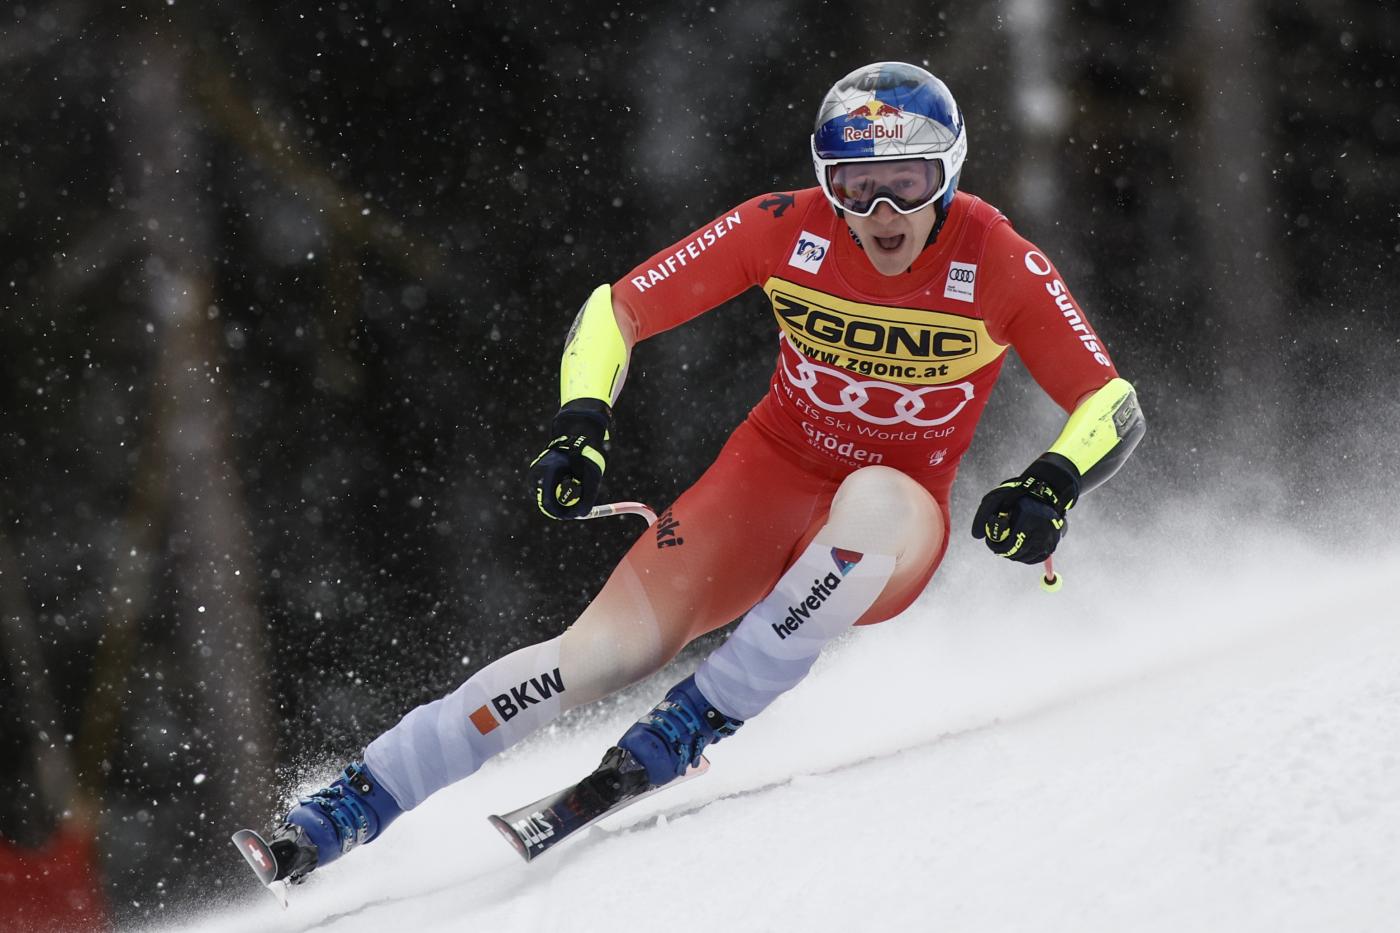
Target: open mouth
<point x="890" y="243"/>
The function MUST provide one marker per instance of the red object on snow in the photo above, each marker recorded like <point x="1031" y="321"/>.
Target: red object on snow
<point x="56" y="888"/>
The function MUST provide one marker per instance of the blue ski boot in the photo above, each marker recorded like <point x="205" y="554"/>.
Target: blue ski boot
<point x="670" y="738"/>
<point x="322" y="827"/>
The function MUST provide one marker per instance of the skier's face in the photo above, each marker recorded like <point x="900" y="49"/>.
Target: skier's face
<point x="893" y="240"/>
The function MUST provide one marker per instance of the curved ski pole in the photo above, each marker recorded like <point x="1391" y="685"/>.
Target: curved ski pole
<point x="1050" y="581"/>
<point x="622" y="508"/>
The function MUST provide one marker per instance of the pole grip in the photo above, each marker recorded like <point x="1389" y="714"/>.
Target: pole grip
<point x="623" y="508"/>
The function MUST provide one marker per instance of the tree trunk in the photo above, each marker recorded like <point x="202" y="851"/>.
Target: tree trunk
<point x="1239" y="240"/>
<point x="209" y="545"/>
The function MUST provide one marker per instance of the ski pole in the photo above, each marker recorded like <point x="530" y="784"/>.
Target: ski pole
<point x="622" y="508"/>
<point x="1050" y="581"/>
<point x="571" y="488"/>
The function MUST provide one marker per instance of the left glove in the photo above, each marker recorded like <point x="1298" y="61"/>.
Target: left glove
<point x="1023" y="519"/>
<point x="567" y="475"/>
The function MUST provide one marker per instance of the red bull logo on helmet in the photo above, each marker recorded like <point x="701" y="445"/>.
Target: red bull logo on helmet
<point x="875" y="109"/>
<point x="873" y="132"/>
<point x="874" y="112"/>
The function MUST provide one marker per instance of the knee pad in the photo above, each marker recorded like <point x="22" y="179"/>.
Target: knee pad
<point x="880" y="510"/>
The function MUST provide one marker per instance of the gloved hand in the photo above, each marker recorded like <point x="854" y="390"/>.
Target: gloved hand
<point x="1023" y="519"/>
<point x="566" y="476"/>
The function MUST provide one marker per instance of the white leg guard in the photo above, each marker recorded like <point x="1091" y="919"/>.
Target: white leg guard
<point x="819" y="597"/>
<point x="616" y="641"/>
<point x="442" y="742"/>
<point x="882" y="525"/>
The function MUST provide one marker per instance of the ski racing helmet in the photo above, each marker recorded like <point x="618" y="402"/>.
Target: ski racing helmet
<point x="889" y="112"/>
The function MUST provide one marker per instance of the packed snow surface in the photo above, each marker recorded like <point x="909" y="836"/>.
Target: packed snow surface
<point x="1181" y="739"/>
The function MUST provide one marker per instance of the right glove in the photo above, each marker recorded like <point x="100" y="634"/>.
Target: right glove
<point x="1023" y="519"/>
<point x="567" y="475"/>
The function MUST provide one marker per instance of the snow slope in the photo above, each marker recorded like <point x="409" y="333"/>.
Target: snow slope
<point x="1177" y="741"/>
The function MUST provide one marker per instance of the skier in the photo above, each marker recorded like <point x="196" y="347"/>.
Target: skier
<point x="896" y="297"/>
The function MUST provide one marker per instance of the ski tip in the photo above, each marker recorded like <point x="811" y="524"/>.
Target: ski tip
<point x="511" y="836"/>
<point x="259" y="857"/>
<point x="256" y="853"/>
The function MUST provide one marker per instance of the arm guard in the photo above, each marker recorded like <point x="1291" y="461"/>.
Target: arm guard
<point x="595" y="353"/>
<point x="1099" y="435"/>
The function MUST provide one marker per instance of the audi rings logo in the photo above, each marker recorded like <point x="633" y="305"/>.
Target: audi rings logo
<point x="1037" y="263"/>
<point x="962" y="279"/>
<point x="858" y="396"/>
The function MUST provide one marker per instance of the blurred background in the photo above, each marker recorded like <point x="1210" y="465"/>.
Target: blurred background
<point x="285" y="285"/>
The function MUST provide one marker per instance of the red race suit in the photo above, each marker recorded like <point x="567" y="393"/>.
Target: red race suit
<point x="876" y="369"/>
<point x="871" y="370"/>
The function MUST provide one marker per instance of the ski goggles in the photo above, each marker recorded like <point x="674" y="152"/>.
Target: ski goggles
<point x="906" y="183"/>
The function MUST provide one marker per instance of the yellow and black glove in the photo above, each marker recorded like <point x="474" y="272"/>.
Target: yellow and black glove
<point x="1023" y="519"/>
<point x="567" y="475"/>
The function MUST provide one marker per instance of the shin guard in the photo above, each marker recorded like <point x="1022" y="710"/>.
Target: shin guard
<point x="442" y="742"/>
<point x="820" y="596"/>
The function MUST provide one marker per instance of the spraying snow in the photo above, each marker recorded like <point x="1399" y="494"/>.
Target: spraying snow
<point x="1168" y="744"/>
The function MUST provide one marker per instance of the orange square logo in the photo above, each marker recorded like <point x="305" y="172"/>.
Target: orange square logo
<point x="483" y="720"/>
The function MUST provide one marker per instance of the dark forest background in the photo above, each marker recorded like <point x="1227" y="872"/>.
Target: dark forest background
<point x="283" y="289"/>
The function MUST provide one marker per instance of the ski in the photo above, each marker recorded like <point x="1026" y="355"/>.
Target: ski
<point x="260" y="858"/>
<point x="536" y="828"/>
